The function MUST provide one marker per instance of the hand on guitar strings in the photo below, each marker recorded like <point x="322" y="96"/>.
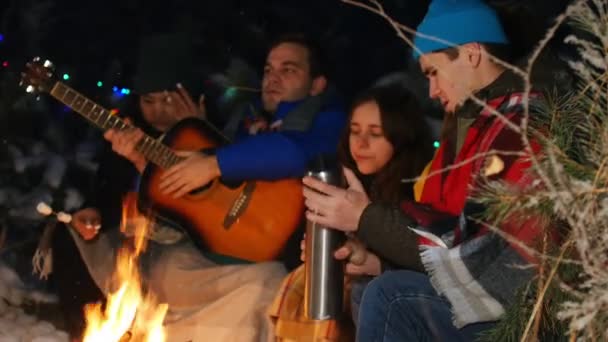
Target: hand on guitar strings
<point x="184" y="107"/>
<point x="334" y="207"/>
<point x="195" y="171"/>
<point x="359" y="260"/>
<point x="124" y="142"/>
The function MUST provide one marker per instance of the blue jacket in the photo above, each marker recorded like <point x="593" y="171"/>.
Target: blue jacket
<point x="286" y="152"/>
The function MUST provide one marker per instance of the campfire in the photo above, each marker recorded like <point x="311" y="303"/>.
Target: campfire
<point x="130" y="313"/>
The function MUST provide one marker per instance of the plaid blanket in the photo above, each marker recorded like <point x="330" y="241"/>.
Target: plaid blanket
<point x="468" y="263"/>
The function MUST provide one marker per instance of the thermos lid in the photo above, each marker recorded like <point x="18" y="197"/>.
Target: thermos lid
<point x="324" y="163"/>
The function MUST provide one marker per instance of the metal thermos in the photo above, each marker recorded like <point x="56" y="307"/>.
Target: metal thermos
<point x="323" y="291"/>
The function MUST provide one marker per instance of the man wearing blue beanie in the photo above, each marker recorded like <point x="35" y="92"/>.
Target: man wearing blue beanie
<point x="461" y="280"/>
<point x="453" y="46"/>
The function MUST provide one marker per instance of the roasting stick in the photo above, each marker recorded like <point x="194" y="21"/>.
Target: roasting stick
<point x="46" y="210"/>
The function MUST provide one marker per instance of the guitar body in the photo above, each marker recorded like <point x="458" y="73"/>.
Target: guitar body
<point x="251" y="221"/>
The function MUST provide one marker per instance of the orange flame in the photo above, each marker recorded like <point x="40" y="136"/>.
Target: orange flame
<point x="134" y="223"/>
<point x="129" y="311"/>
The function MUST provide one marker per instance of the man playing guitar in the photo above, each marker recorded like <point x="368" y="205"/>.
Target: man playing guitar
<point x="213" y="296"/>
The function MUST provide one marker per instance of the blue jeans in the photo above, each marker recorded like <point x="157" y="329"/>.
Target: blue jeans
<point x="358" y="286"/>
<point x="403" y="306"/>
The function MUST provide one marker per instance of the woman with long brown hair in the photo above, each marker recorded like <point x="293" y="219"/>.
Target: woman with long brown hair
<point x="386" y="141"/>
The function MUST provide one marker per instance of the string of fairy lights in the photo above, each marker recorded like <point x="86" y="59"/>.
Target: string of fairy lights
<point x="117" y="91"/>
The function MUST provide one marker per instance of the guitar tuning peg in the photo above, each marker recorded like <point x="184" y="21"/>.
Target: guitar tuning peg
<point x="29" y="89"/>
<point x="36" y="59"/>
<point x="48" y="64"/>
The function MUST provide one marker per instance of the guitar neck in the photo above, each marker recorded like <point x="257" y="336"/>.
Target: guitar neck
<point x="152" y="149"/>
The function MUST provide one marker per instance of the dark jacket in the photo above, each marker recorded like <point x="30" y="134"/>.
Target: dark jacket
<point x="304" y="129"/>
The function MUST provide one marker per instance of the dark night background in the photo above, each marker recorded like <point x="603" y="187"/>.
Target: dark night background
<point x="47" y="151"/>
<point x="98" y="40"/>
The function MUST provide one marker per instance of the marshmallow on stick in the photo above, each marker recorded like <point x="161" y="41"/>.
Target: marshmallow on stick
<point x="46" y="210"/>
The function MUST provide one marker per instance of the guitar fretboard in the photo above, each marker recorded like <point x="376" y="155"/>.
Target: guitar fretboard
<point x="152" y="149"/>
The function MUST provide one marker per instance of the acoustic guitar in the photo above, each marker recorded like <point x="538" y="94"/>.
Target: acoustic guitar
<point x="251" y="220"/>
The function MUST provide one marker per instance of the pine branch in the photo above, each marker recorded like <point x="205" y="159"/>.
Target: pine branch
<point x="511" y="327"/>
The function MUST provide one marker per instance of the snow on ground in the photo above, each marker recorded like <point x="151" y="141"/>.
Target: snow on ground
<point x="15" y="324"/>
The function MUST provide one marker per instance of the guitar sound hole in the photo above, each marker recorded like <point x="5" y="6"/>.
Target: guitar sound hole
<point x="230" y="185"/>
<point x="200" y="190"/>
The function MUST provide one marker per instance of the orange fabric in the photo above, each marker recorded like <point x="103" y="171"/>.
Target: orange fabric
<point x="287" y="314"/>
<point x="419" y="185"/>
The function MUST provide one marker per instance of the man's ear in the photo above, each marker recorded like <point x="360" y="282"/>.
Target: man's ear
<point x="319" y="84"/>
<point x="473" y="52"/>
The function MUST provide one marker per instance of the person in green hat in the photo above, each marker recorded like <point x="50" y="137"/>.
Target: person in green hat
<point x="165" y="81"/>
<point x="162" y="82"/>
<point x="164" y="61"/>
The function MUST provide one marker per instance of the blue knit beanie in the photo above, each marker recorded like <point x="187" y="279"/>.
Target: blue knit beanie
<point x="457" y="22"/>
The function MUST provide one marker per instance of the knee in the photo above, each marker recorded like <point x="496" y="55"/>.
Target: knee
<point x="377" y="291"/>
<point x="356" y="293"/>
<point x="357" y="288"/>
<point x="389" y="285"/>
